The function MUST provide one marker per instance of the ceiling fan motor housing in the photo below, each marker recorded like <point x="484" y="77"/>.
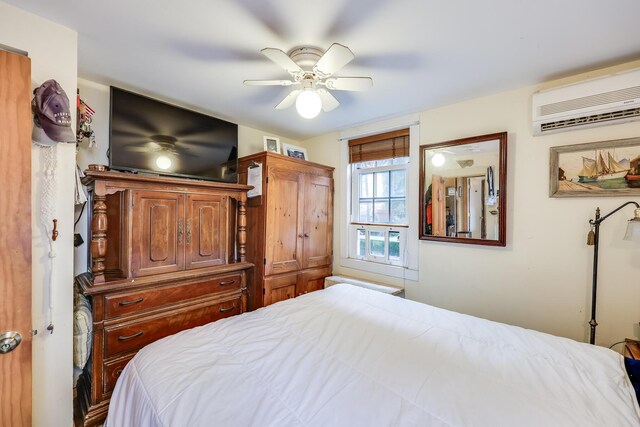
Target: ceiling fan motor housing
<point x="305" y="56"/>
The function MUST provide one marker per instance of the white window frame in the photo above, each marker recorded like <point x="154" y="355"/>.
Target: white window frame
<point x="367" y="256"/>
<point x="355" y="189"/>
<point x="409" y="234"/>
<point x="355" y="224"/>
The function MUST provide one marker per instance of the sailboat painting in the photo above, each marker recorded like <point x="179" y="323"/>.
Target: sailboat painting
<point x="607" y="168"/>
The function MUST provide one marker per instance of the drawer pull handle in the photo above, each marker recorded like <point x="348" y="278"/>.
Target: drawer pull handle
<point x="135" y="301"/>
<point x="137" y="334"/>
<point x="224" y="310"/>
<point x="227" y="282"/>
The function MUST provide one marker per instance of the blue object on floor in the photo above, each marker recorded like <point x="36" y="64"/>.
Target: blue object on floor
<point x="633" y="370"/>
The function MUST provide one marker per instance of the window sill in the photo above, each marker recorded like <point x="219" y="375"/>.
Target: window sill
<point x="384" y="269"/>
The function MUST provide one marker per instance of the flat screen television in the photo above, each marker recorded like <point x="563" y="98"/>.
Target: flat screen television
<point x="150" y="136"/>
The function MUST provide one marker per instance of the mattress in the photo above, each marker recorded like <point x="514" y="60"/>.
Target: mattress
<point x="348" y="356"/>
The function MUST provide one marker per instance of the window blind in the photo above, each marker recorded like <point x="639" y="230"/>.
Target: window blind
<point x="388" y="145"/>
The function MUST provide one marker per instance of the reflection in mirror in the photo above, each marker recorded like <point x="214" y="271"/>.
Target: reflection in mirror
<point x="463" y="184"/>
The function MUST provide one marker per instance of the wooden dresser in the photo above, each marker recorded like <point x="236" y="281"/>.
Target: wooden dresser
<point x="291" y="225"/>
<point x="167" y="254"/>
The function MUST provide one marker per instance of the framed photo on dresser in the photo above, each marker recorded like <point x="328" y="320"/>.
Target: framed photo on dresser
<point x="295" y="151"/>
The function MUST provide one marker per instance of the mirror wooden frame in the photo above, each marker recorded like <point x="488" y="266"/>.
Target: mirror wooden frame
<point x="502" y="186"/>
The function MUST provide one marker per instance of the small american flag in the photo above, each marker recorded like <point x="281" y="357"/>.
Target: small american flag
<point x="88" y="111"/>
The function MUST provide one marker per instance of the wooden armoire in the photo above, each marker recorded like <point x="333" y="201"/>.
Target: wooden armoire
<point x="290" y="225"/>
<point x="167" y="254"/>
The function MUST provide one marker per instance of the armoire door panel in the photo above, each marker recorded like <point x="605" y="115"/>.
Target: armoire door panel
<point x="284" y="235"/>
<point x="312" y="279"/>
<point x="318" y="221"/>
<point x="280" y="288"/>
<point x="206" y="237"/>
<point x="159" y="217"/>
<point x="157" y="235"/>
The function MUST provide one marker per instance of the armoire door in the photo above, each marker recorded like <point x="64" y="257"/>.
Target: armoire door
<point x="284" y="236"/>
<point x="205" y="230"/>
<point x="318" y="221"/>
<point x="158" y="235"/>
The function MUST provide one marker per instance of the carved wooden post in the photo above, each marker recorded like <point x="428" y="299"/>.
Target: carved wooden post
<point x="99" y="237"/>
<point x="242" y="226"/>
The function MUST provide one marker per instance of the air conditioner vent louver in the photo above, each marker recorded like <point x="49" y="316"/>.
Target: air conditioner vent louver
<point x="591" y="101"/>
<point x="606" y="100"/>
<point x="596" y="118"/>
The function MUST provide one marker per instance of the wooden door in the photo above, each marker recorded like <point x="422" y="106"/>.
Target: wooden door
<point x="205" y="230"/>
<point x="284" y="235"/>
<point x="280" y="288"/>
<point x="15" y="240"/>
<point x="438" y="204"/>
<point x="158" y="234"/>
<point x="312" y="280"/>
<point x="318" y="221"/>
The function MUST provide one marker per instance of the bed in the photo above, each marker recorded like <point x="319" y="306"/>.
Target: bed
<point x="348" y="356"/>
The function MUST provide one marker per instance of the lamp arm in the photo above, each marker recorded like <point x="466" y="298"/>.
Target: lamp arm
<point x="597" y="221"/>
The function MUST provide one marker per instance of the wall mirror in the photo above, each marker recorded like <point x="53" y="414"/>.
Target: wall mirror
<point x="463" y="185"/>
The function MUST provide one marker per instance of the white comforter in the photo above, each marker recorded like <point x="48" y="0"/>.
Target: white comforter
<point x="347" y="356"/>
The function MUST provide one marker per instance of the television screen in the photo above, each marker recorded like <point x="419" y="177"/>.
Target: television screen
<point x="150" y="136"/>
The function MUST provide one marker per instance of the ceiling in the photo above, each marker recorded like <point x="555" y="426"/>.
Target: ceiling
<point x="420" y="53"/>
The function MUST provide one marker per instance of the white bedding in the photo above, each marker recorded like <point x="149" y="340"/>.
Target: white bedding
<point x="348" y="356"/>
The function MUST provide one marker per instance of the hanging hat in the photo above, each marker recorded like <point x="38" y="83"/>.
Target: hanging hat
<point x="50" y="106"/>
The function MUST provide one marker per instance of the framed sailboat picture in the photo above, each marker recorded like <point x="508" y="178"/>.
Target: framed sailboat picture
<point x="607" y="168"/>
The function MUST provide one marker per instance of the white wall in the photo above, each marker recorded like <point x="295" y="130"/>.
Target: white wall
<point x="542" y="278"/>
<point x="53" y="52"/>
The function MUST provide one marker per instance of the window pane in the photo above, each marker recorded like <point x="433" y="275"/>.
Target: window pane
<point x="361" y="250"/>
<point x="401" y="160"/>
<point x="398" y="212"/>
<point x="366" y="185"/>
<point x="381" y="212"/>
<point x="376" y="243"/>
<point x="366" y="211"/>
<point x="382" y="184"/>
<point x="398" y="183"/>
<point x="384" y="162"/>
<point x="365" y="165"/>
<point x="394" y="245"/>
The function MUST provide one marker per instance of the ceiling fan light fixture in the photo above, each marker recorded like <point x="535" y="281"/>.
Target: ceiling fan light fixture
<point x="163" y="162"/>
<point x="308" y="104"/>
<point x="438" y="160"/>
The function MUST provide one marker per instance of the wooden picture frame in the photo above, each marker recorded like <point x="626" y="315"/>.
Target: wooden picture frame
<point x="474" y="157"/>
<point x="605" y="168"/>
<point x="271" y="144"/>
<point x="295" y="151"/>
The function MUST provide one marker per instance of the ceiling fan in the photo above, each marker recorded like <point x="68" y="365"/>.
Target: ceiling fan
<point x="312" y="69"/>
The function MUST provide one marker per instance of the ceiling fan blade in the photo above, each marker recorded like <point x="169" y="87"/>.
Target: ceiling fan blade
<point x="138" y="149"/>
<point x="329" y="102"/>
<point x="269" y="82"/>
<point x="288" y="100"/>
<point x="349" y="83"/>
<point x="282" y="59"/>
<point x="336" y="57"/>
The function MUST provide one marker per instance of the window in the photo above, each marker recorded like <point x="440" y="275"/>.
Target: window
<point x="378" y="206"/>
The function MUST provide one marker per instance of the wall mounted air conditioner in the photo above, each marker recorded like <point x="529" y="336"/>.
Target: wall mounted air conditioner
<point x="601" y="101"/>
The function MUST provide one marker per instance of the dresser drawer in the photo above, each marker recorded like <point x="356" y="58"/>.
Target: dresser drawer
<point x="112" y="371"/>
<point x="134" y="335"/>
<point x="137" y="301"/>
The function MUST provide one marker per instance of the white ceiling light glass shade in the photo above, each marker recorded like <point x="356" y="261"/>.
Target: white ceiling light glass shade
<point x="308" y="104"/>
<point x="163" y="162"/>
<point x="633" y="228"/>
<point x="437" y="160"/>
